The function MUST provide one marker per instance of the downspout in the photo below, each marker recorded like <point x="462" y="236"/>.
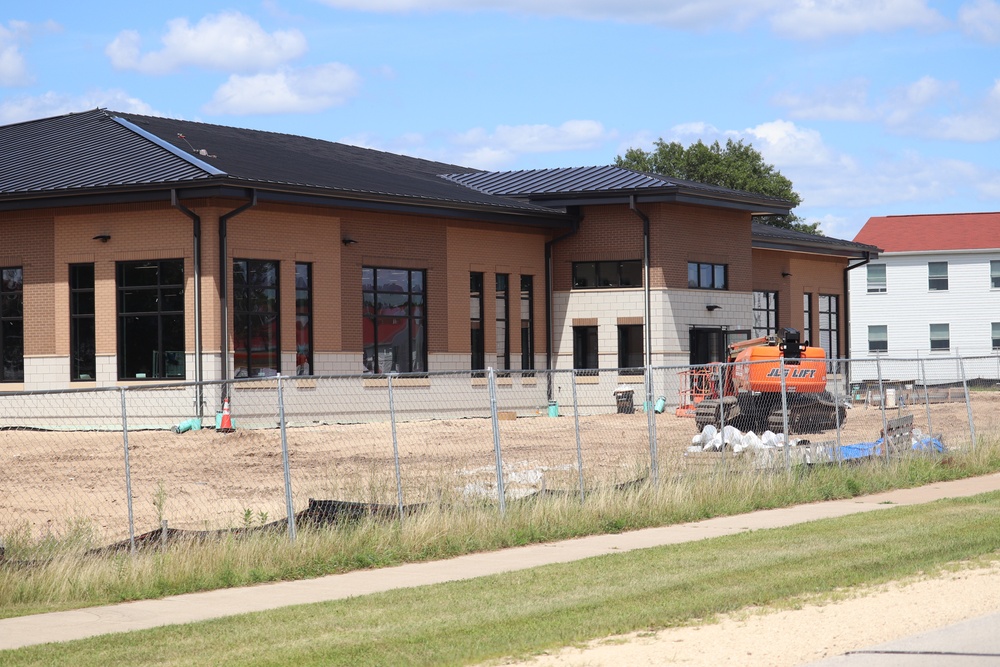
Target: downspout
<point x="648" y="329"/>
<point x="198" y="351"/>
<point x="549" y="324"/>
<point x="224" y="286"/>
<point x="847" y="311"/>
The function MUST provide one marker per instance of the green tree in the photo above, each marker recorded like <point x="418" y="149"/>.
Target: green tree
<point x="737" y="166"/>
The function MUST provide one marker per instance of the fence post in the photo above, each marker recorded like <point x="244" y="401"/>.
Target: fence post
<point x="395" y="449"/>
<point x="722" y="409"/>
<point x="968" y="403"/>
<point x="784" y="415"/>
<point x="289" y="507"/>
<point x="927" y="398"/>
<point x="501" y="496"/>
<point x="654" y="458"/>
<point x="576" y="427"/>
<point x="881" y="406"/>
<point x="128" y="475"/>
<point x="836" y="413"/>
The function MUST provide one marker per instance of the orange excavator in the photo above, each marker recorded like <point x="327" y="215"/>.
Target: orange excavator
<point x="751" y="395"/>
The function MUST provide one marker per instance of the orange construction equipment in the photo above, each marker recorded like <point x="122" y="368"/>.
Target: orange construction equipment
<point x="697" y="384"/>
<point x="227" y="419"/>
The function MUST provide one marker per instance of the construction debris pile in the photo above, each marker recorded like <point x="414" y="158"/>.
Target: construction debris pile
<point x="731" y="438"/>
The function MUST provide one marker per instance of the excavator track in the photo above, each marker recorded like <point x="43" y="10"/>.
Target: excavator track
<point x="807" y="413"/>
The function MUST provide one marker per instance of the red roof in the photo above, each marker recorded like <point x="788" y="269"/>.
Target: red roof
<point x="947" y="231"/>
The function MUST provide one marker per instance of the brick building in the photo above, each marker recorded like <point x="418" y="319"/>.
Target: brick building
<point x="150" y="249"/>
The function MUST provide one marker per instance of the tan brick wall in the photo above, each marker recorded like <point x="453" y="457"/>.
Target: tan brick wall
<point x="678" y="234"/>
<point x="27" y="243"/>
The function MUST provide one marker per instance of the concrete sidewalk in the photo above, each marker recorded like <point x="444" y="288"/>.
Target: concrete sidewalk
<point x="82" y="623"/>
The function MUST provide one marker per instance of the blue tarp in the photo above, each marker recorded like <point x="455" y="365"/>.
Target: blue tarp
<point x="862" y="450"/>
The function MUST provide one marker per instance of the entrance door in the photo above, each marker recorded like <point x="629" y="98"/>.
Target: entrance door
<point x="708" y="345"/>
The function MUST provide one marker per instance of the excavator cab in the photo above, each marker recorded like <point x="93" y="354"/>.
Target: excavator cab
<point x="791" y="347"/>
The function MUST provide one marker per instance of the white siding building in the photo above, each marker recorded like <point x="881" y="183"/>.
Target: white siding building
<point x="933" y="293"/>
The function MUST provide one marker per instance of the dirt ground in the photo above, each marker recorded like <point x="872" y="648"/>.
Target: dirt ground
<point x="768" y="638"/>
<point x="58" y="482"/>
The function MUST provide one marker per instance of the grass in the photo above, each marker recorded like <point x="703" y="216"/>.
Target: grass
<point x="527" y="612"/>
<point x="68" y="581"/>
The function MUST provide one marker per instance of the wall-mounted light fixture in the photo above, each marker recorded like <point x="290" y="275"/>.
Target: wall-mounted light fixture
<point x="710" y="307"/>
<point x="103" y="238"/>
<point x="785" y="274"/>
<point x="347" y="240"/>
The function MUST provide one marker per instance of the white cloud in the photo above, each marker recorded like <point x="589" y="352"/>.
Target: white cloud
<point x="56" y="104"/>
<point x="976" y="125"/>
<point x="305" y="90"/>
<point x="229" y="41"/>
<point x="492" y="150"/>
<point x="816" y="19"/>
<point x="981" y="19"/>
<point x="846" y="101"/>
<point x="13" y="66"/>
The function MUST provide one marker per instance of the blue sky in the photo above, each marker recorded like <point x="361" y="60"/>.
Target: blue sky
<point x="870" y="107"/>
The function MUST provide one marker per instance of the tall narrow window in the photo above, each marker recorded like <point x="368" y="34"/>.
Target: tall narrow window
<point x="995" y="332"/>
<point x="527" y="323"/>
<point x="503" y="320"/>
<point x="585" y="348"/>
<point x="940" y="337"/>
<point x="995" y="274"/>
<point x="829" y="325"/>
<point x="82" y="340"/>
<point x="394" y="326"/>
<point x="876" y="278"/>
<point x="150" y="319"/>
<point x="303" y="320"/>
<point x="807" y="317"/>
<point x="630" y="348"/>
<point x="878" y="338"/>
<point x="12" y="324"/>
<point x="937" y="276"/>
<point x="256" y="347"/>
<point x="476" y="321"/>
<point x="765" y="313"/>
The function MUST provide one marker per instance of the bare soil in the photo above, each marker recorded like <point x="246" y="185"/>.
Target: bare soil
<point x="783" y="638"/>
<point x="59" y="483"/>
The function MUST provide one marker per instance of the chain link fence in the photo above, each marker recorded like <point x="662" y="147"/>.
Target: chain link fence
<point x="117" y="467"/>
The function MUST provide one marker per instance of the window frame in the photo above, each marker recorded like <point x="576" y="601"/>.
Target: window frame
<point x="585" y="338"/>
<point x="832" y="314"/>
<point x="995" y="274"/>
<point x="698" y="279"/>
<point x="995" y="334"/>
<point x="937" y="283"/>
<point x="304" y="364"/>
<point x="614" y="270"/>
<point x="11" y="324"/>
<point x="158" y="368"/>
<point x="936" y="341"/>
<point x="807" y="325"/>
<point x="82" y="316"/>
<point x="626" y="355"/>
<point x="416" y="299"/>
<point x="876" y="344"/>
<point x="877" y="286"/>
<point x="477" y="343"/>
<point x="266" y="316"/>
<point x="502" y="341"/>
<point x="528" y="324"/>
<point x="769" y="309"/>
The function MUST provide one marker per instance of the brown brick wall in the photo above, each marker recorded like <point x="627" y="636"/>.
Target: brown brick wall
<point x="678" y="234"/>
<point x="27" y="243"/>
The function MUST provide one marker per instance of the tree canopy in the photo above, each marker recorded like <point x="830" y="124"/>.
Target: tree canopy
<point x="737" y="166"/>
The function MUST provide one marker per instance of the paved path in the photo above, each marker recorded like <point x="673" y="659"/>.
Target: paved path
<point x="78" y="624"/>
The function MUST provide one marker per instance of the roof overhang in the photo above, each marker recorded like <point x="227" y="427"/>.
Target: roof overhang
<point x="672" y="196"/>
<point x="814" y="248"/>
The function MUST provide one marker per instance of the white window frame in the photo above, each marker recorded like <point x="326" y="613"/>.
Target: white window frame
<point x="936" y="335"/>
<point x="937" y="281"/>
<point x="876" y="283"/>
<point x="878" y="333"/>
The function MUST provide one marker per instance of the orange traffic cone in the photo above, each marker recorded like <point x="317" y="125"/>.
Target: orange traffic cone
<point x="227" y="419"/>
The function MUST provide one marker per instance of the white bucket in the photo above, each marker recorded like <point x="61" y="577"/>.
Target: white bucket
<point x="890" y="398"/>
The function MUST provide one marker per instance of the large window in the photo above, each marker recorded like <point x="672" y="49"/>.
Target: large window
<point x="829" y="330"/>
<point x="256" y="344"/>
<point x="12" y="324"/>
<point x="303" y="320"/>
<point x="940" y="337"/>
<point x="503" y="321"/>
<point x="395" y="320"/>
<point x="878" y="338"/>
<point x="995" y="274"/>
<point x="82" y="340"/>
<point x="807" y="317"/>
<point x="527" y="323"/>
<point x="765" y="313"/>
<point x="150" y="319"/>
<point x="630" y="347"/>
<point x="476" y="321"/>
<point x="707" y="276"/>
<point x="876" y="278"/>
<point x="588" y="275"/>
<point x="585" y="348"/>
<point x="937" y="276"/>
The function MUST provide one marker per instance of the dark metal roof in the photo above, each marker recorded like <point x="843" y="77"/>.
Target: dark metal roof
<point x="778" y="238"/>
<point x="103" y="150"/>
<point x="565" y="186"/>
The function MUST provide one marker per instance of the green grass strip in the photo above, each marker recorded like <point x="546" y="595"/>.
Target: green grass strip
<point x="548" y="607"/>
